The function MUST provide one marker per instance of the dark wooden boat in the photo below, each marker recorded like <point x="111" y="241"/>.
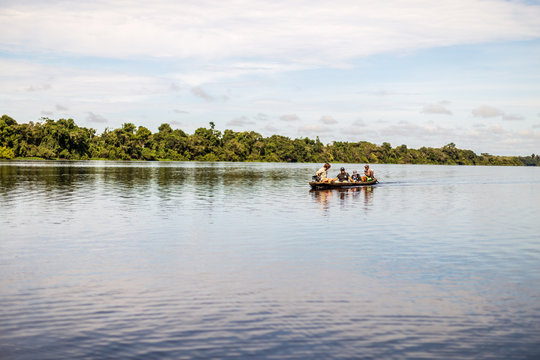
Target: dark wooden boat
<point x="339" y="184"/>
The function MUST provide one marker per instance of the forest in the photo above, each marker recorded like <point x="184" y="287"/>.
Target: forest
<point x="64" y="139"/>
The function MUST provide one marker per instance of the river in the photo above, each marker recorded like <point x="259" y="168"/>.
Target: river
<point x="191" y="260"/>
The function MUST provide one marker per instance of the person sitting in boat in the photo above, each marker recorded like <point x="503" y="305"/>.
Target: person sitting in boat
<point x="356" y="176"/>
<point x="343" y="175"/>
<point x="322" y="173"/>
<point x="368" y="174"/>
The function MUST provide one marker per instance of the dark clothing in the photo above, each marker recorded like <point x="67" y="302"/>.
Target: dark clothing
<point x="356" y="177"/>
<point x="343" y="176"/>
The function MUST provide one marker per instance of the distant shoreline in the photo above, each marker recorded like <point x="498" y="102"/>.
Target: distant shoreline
<point x="63" y="139"/>
<point x="225" y="161"/>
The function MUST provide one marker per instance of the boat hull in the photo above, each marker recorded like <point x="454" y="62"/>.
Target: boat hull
<point x="339" y="184"/>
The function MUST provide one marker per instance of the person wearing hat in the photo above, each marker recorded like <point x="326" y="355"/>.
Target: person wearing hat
<point x="343" y="176"/>
<point x="368" y="174"/>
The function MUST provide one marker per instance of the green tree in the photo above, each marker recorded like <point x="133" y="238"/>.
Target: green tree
<point x="50" y="139"/>
<point x="6" y="153"/>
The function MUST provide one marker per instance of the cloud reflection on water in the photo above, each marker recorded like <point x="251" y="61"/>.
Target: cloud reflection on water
<point x="127" y="260"/>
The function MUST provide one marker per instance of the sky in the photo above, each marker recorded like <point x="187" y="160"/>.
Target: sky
<point x="413" y="72"/>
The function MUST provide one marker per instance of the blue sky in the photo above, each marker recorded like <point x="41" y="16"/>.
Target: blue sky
<point x="415" y="72"/>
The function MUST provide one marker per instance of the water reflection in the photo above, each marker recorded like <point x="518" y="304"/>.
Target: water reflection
<point x="226" y="260"/>
<point x="167" y="176"/>
<point x="348" y="197"/>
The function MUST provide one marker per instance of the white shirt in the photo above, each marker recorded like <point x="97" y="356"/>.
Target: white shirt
<point x="321" y="173"/>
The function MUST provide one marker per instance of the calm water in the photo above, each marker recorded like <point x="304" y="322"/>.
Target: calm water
<point x="112" y="260"/>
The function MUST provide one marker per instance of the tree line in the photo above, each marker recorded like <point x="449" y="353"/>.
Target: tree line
<point x="64" y="139"/>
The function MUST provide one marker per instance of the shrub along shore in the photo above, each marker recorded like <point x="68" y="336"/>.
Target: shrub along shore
<point x="64" y="139"/>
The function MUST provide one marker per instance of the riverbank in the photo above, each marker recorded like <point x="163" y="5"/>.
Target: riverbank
<point x="64" y="139"/>
<point x="224" y="161"/>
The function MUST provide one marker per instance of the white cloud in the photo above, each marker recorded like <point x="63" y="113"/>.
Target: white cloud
<point x="289" y="117"/>
<point x="485" y="111"/>
<point x="199" y="92"/>
<point x="261" y="117"/>
<point x="328" y="120"/>
<point x="95" y="118"/>
<point x="508" y="142"/>
<point x="491" y="112"/>
<point x="405" y="128"/>
<point x="512" y="117"/>
<point x="529" y="134"/>
<point x="61" y="107"/>
<point x="357" y="127"/>
<point x="240" y="121"/>
<point x="313" y="129"/>
<point x="497" y="129"/>
<point x="308" y="32"/>
<point x="41" y="87"/>
<point x="359" y="122"/>
<point x="76" y="85"/>
<point x="435" y="109"/>
<point x="207" y="71"/>
<point x="271" y="129"/>
<point x="383" y="93"/>
<point x="178" y="111"/>
<point x="353" y="130"/>
<point x="174" y="87"/>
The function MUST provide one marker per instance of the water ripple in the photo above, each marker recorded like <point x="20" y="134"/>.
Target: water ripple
<point x="117" y="260"/>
